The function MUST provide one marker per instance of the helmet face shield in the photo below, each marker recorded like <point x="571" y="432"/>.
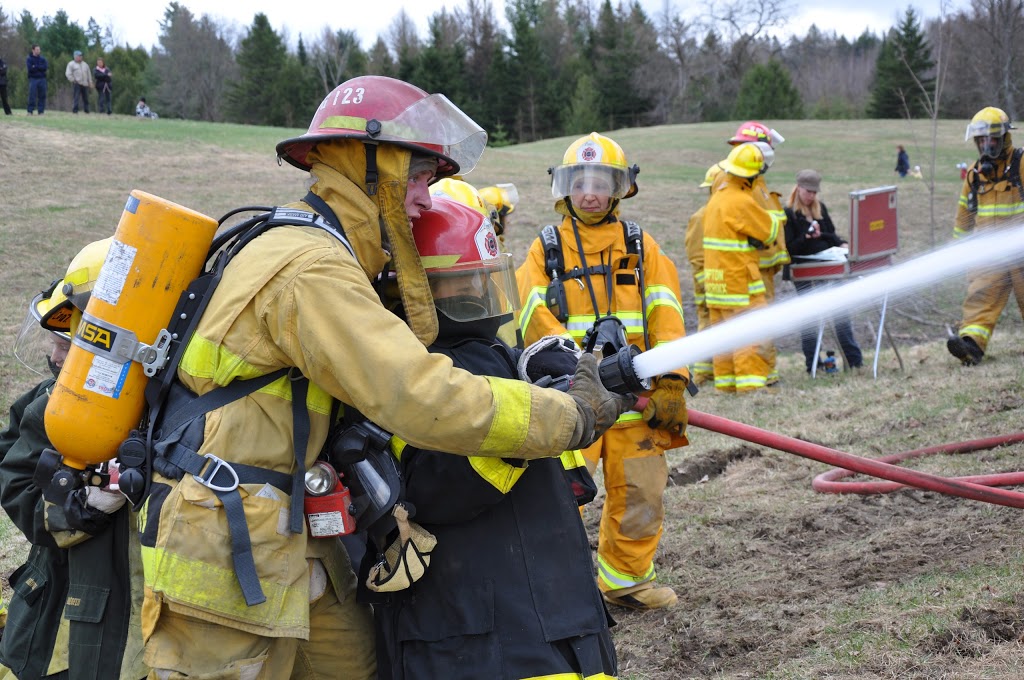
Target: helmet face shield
<point x="768" y="152"/>
<point x="470" y="291"/>
<point x="590" y="178"/>
<point x="39" y="350"/>
<point x="435" y="121"/>
<point x="989" y="146"/>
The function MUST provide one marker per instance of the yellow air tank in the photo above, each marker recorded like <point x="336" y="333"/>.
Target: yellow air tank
<point x="158" y="249"/>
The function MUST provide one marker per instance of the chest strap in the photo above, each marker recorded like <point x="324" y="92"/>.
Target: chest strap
<point x="223" y="477"/>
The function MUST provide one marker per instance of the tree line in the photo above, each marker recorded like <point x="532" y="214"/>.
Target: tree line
<point x="555" y="67"/>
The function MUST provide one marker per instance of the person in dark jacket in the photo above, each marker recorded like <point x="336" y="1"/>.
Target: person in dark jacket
<point x="508" y="592"/>
<point x="74" y="602"/>
<point x="902" y="161"/>
<point x="104" y="85"/>
<point x="36" y="65"/>
<point x="809" y="230"/>
<point x="3" y="87"/>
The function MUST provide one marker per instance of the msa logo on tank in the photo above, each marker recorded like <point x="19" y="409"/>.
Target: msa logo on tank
<point x="111" y="350"/>
<point x="97" y="336"/>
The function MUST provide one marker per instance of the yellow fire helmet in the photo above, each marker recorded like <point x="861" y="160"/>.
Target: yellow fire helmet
<point x="745" y="160"/>
<point x="710" y="175"/>
<point x="597" y="164"/>
<point x="502" y="197"/>
<point x="462" y="192"/>
<point x="990" y="130"/>
<point x="72" y="292"/>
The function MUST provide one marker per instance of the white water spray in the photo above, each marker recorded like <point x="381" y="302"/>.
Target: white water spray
<point x="987" y="250"/>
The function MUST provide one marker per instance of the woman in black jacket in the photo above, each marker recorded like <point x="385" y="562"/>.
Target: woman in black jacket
<point x="809" y="230"/>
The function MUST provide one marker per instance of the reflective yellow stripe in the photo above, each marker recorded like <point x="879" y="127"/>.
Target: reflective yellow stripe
<point x="203" y="585"/>
<point x="205" y="359"/>
<point x="511" y="420"/>
<point x="533" y="300"/>
<point x="730" y="244"/>
<point x="344" y="122"/>
<point x="724" y="382"/>
<point x="661" y="296"/>
<point x="1000" y="210"/>
<point x="573" y="459"/>
<point x="617" y="579"/>
<point x="974" y="329"/>
<point x="397" y="445"/>
<point x="497" y="472"/>
<point x="756" y="287"/>
<point x="728" y="299"/>
<point x="749" y="382"/>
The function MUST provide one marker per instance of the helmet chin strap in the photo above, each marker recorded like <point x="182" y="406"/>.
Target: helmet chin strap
<point x="371" y="167"/>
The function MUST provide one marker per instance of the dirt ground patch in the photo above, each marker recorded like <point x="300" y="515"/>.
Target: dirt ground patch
<point x="786" y="582"/>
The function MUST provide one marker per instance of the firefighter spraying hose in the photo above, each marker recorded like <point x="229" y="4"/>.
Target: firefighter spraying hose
<point x="992" y="250"/>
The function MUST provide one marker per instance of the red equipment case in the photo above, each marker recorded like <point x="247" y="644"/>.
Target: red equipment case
<point x="874" y="237"/>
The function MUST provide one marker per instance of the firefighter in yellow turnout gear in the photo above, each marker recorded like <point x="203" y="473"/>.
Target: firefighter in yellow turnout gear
<point x="599" y="279"/>
<point x="265" y="600"/>
<point x="773" y="256"/>
<point x="991" y="197"/>
<point x="694" y="242"/>
<point x="735" y="228"/>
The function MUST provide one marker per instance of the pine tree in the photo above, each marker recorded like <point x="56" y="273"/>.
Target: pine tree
<point x="767" y="91"/>
<point x="256" y="97"/>
<point x="903" y="73"/>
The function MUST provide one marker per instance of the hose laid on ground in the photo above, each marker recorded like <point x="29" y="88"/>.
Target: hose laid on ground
<point x="974" y="488"/>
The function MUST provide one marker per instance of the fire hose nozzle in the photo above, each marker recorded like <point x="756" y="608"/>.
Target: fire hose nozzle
<point x="618" y="375"/>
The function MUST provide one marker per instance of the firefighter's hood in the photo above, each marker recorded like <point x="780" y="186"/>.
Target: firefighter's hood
<point x="377" y="226"/>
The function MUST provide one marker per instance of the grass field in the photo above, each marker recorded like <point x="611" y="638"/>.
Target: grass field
<point x="775" y="580"/>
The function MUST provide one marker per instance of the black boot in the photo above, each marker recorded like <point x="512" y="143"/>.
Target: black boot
<point x="965" y="349"/>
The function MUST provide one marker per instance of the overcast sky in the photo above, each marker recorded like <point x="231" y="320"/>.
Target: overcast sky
<point x="137" y="21"/>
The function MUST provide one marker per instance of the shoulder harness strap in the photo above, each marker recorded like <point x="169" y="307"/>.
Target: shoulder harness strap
<point x="223" y="477"/>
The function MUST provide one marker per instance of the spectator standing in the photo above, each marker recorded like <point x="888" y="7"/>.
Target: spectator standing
<point x="37" y="66"/>
<point x="902" y="161"/>
<point x="3" y="87"/>
<point x="104" y="86"/>
<point x="809" y="230"/>
<point x="79" y="75"/>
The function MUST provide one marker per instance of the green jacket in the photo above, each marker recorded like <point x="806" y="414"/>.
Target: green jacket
<point x="41" y="584"/>
<point x="85" y="579"/>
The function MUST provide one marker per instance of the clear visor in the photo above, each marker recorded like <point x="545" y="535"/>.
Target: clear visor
<point x="590" y="178"/>
<point x="509" y="196"/>
<point x="35" y="347"/>
<point x="989" y="146"/>
<point x="470" y="291"/>
<point x="768" y="152"/>
<point x="983" y="128"/>
<point x="776" y="138"/>
<point x="436" y="121"/>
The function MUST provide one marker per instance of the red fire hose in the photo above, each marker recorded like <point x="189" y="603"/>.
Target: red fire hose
<point x="975" y="488"/>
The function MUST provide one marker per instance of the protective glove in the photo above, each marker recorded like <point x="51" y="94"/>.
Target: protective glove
<point x="552" y="356"/>
<point x="89" y="509"/>
<point x="597" y="408"/>
<point x="407" y="557"/>
<point x="666" y="407"/>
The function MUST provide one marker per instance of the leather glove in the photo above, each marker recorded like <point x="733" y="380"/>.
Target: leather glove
<point x="597" y="408"/>
<point x="666" y="407"/>
<point x="407" y="557"/>
<point x="89" y="509"/>
<point x="552" y="356"/>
